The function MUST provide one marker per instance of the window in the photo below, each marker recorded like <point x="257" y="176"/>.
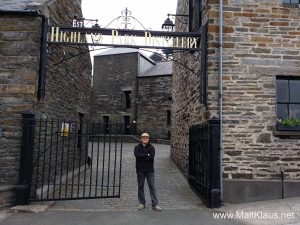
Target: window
<point x="168" y="117"/>
<point x="106" y="124"/>
<point x="288" y="97"/>
<point x="127" y="101"/>
<point x="291" y="3"/>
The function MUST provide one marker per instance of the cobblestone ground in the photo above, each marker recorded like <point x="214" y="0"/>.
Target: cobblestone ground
<point x="172" y="187"/>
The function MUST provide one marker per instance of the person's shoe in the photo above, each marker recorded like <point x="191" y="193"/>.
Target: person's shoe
<point x="157" y="208"/>
<point x="141" y="206"/>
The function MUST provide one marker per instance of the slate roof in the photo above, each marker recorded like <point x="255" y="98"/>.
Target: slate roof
<point x="116" y="51"/>
<point x="16" y="4"/>
<point x="160" y="69"/>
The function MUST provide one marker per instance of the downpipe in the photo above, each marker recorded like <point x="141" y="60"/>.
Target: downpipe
<point x="221" y="92"/>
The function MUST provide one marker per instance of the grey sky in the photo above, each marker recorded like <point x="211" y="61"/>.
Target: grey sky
<point x="150" y="13"/>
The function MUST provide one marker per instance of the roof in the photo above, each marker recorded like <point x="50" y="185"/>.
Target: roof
<point x="160" y="69"/>
<point x="19" y="4"/>
<point x="118" y="51"/>
<point x="14" y="4"/>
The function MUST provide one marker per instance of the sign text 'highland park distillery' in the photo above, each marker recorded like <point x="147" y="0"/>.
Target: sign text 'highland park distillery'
<point x="114" y="37"/>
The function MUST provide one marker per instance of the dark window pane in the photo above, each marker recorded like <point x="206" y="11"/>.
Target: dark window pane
<point x="295" y="111"/>
<point x="295" y="91"/>
<point x="168" y="117"/>
<point x="127" y="99"/>
<point x="282" y="90"/>
<point x="282" y="111"/>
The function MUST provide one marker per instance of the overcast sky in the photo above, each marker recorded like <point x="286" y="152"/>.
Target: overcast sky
<point x="151" y="13"/>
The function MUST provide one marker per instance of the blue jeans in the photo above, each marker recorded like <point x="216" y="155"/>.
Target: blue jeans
<point x="151" y="183"/>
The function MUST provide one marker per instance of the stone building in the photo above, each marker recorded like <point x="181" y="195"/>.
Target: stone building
<point x="260" y="84"/>
<point x="131" y="88"/>
<point x="61" y="91"/>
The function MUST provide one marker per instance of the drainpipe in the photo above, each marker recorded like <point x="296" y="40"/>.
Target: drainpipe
<point x="221" y="92"/>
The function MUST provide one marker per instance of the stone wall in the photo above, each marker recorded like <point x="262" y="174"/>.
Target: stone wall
<point x="186" y="106"/>
<point x="154" y="100"/>
<point x="114" y="74"/>
<point x="19" y="63"/>
<point x="68" y="77"/>
<point x="67" y="84"/>
<point x="260" y="41"/>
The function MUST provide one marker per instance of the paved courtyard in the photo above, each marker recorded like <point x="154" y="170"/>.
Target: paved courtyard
<point x="172" y="187"/>
<point x="180" y="204"/>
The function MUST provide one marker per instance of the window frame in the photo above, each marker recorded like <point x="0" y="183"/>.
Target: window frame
<point x="289" y="102"/>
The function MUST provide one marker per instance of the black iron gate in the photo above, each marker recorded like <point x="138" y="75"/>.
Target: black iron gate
<point x="64" y="159"/>
<point x="204" y="161"/>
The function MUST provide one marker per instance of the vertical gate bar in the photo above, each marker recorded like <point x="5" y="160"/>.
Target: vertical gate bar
<point x="91" y="162"/>
<point x="97" y="167"/>
<point x="74" y="158"/>
<point x="108" y="165"/>
<point x="103" y="159"/>
<point x="62" y="156"/>
<point x="26" y="155"/>
<point x="121" y="152"/>
<point x="85" y="155"/>
<point x="56" y="156"/>
<point x="79" y="166"/>
<point x="68" y="156"/>
<point x="44" y="157"/>
<point x="115" y="163"/>
<point x="50" y="158"/>
<point x="37" y="161"/>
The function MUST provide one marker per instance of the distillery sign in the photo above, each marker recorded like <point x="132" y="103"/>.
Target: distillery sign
<point x="121" y="37"/>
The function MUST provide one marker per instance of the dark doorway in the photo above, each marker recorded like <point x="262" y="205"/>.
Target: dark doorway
<point x="126" y="124"/>
<point x="79" y="141"/>
<point x="106" y="124"/>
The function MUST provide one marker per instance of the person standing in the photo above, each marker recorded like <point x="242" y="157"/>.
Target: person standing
<point x="144" y="153"/>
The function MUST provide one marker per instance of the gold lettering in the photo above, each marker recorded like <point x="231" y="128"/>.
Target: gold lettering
<point x="73" y="37"/>
<point x="52" y="34"/>
<point x="66" y="38"/>
<point x="147" y="38"/>
<point x="57" y="33"/>
<point x="114" y="34"/>
<point x="177" y="42"/>
<point x="78" y="37"/>
<point x="193" y="42"/>
<point x="61" y="36"/>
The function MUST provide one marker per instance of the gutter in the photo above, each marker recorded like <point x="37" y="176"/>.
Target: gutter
<point x="221" y="92"/>
<point x="43" y="48"/>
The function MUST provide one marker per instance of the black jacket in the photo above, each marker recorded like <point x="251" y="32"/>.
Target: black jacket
<point x="144" y="157"/>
